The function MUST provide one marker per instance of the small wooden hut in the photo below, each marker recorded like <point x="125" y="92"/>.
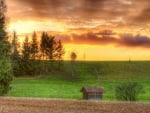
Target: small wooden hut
<point x="92" y="93"/>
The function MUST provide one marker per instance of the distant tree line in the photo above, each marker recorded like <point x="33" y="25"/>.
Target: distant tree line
<point x="36" y="57"/>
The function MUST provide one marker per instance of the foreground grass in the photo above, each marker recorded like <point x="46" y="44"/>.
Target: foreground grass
<point x="105" y="74"/>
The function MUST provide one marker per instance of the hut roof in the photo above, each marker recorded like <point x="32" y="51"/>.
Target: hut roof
<point x="92" y="89"/>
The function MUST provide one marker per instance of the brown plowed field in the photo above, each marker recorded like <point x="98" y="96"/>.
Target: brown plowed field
<point x="29" y="105"/>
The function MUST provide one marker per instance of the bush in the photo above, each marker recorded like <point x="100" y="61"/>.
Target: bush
<point x="5" y="76"/>
<point x="128" y="91"/>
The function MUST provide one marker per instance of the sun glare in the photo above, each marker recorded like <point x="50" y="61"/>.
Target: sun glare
<point x="23" y="27"/>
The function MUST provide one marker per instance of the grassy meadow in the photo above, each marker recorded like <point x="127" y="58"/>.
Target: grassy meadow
<point x="60" y="84"/>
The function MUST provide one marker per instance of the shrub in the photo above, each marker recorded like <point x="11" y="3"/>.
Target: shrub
<point x="128" y="91"/>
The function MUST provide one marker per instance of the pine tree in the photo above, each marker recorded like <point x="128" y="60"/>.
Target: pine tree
<point x="6" y="75"/>
<point x="4" y="44"/>
<point x="34" y="46"/>
<point x="59" y="54"/>
<point x="16" y="59"/>
<point x="59" y="50"/>
<point x="50" y="47"/>
<point x="15" y="47"/>
<point x="26" y="62"/>
<point x="26" y="49"/>
<point x="43" y="45"/>
<point x="47" y="48"/>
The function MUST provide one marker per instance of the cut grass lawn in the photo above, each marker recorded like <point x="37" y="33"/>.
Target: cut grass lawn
<point x="104" y="74"/>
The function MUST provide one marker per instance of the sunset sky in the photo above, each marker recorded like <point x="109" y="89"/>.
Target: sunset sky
<point x="94" y="29"/>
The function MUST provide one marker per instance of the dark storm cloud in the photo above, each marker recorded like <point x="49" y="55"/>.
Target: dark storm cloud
<point x="103" y="38"/>
<point x="134" y="41"/>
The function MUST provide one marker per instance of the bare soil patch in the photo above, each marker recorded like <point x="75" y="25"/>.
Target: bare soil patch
<point x="29" y="105"/>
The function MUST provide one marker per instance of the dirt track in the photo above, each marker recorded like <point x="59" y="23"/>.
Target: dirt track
<point x="28" y="105"/>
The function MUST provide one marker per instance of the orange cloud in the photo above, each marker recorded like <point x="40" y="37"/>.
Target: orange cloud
<point x="106" y="38"/>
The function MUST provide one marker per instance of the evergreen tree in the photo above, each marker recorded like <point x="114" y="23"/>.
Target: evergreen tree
<point x="34" y="46"/>
<point x="43" y="45"/>
<point x="50" y="47"/>
<point x="26" y="62"/>
<point x="47" y="45"/>
<point x="43" y="52"/>
<point x="26" y="49"/>
<point x="15" y="44"/>
<point x="6" y="75"/>
<point x="51" y="50"/>
<point x="4" y="44"/>
<point x="59" y="53"/>
<point x="59" y="50"/>
<point x="16" y="59"/>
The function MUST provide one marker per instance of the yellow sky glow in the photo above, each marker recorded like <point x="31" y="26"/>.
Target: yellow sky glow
<point x="30" y="26"/>
<point x="106" y="53"/>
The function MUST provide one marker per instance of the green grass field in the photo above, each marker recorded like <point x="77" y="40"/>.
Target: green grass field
<point x="104" y="74"/>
